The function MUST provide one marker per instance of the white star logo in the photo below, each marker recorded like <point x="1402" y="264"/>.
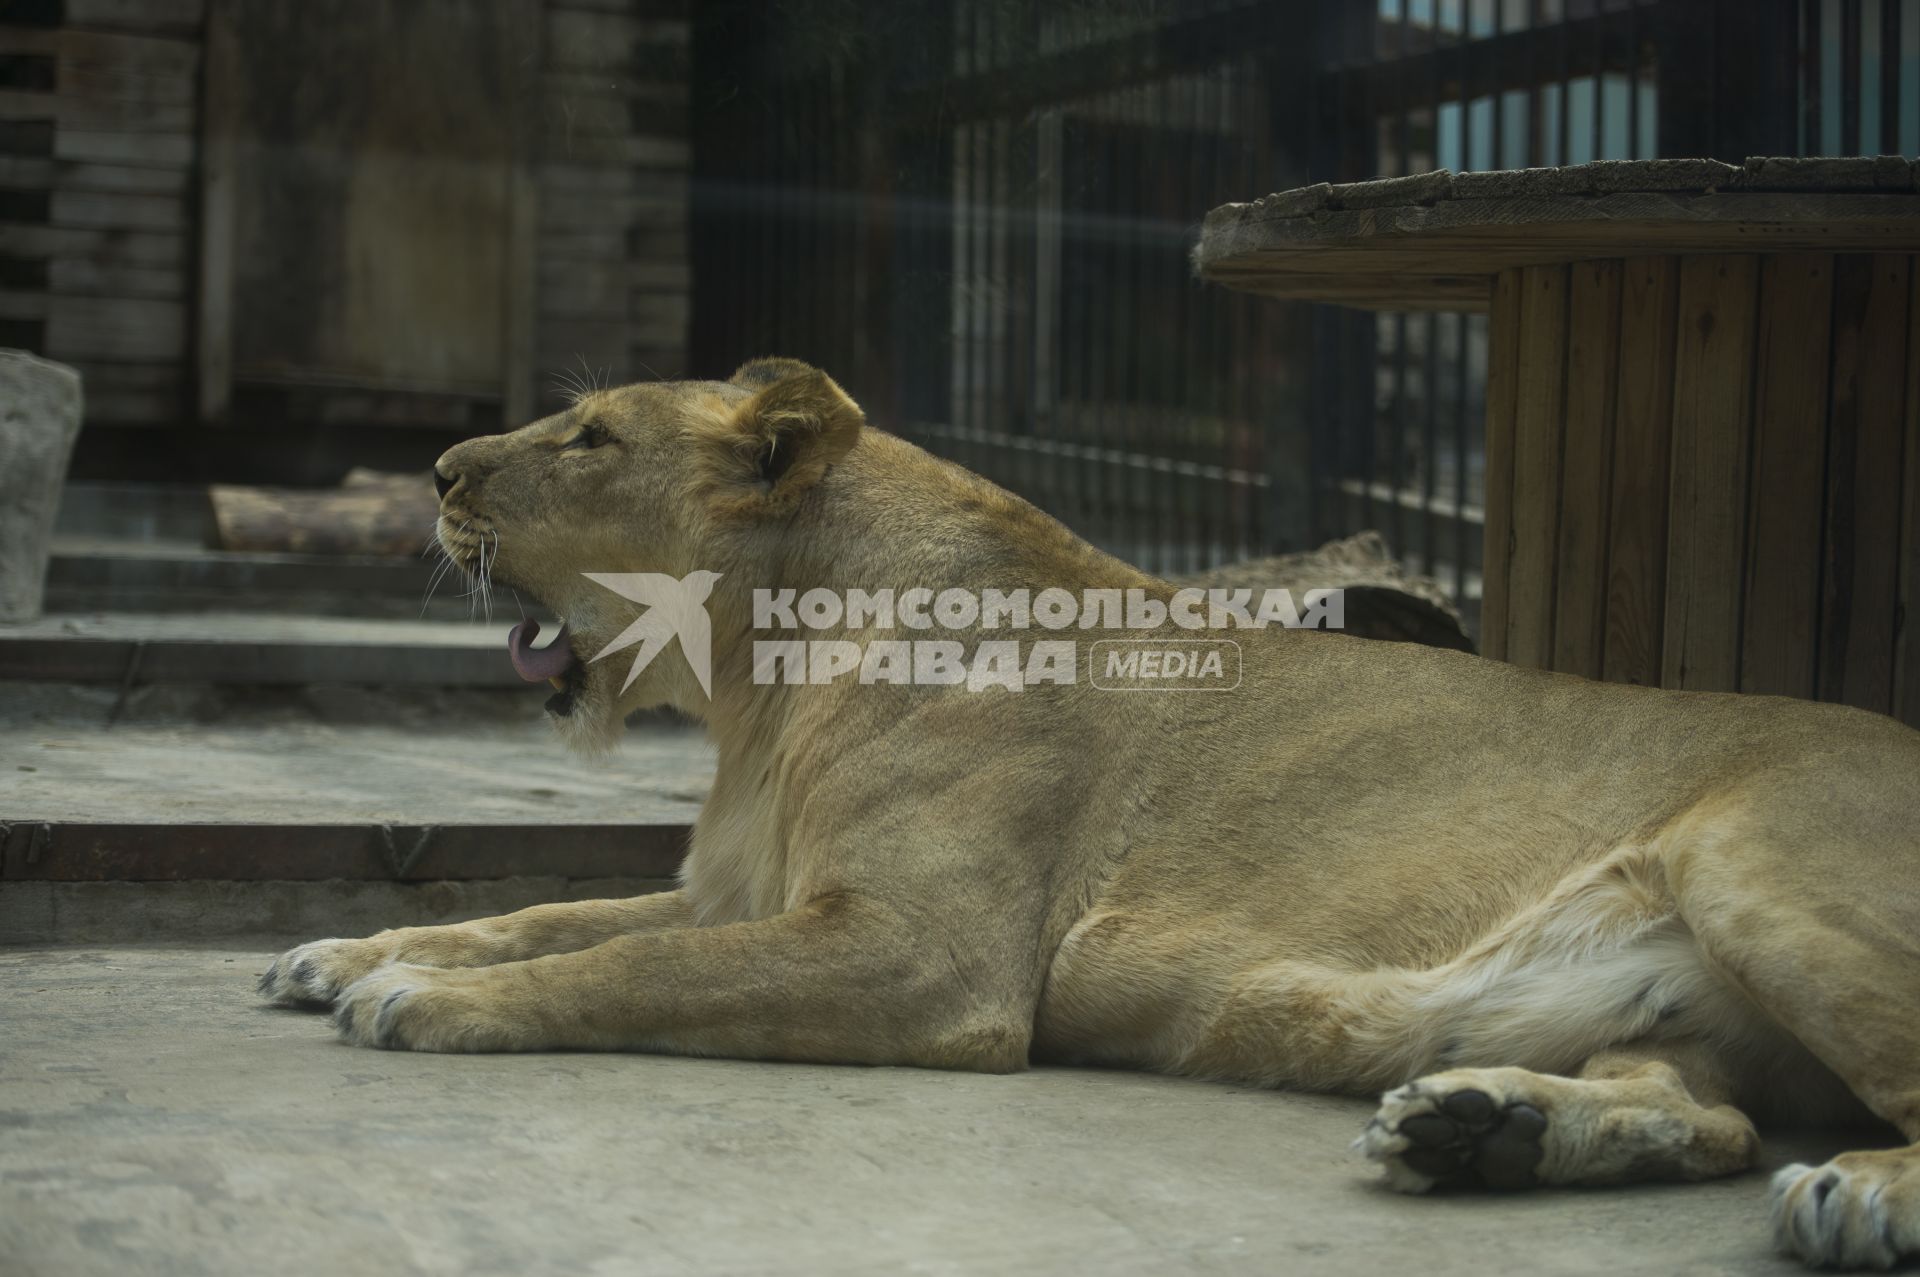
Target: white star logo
<point x="673" y="608"/>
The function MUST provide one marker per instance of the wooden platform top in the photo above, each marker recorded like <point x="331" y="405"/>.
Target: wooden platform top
<point x="1433" y="241"/>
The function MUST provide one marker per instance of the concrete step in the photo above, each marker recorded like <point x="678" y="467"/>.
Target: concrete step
<point x="257" y="648"/>
<point x="307" y="801"/>
<point x="89" y="574"/>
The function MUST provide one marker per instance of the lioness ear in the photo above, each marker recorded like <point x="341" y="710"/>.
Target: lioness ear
<point x="757" y="374"/>
<point x="775" y="445"/>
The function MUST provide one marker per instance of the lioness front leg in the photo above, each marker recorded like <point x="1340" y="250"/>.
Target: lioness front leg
<point x="841" y="979"/>
<point x="314" y="974"/>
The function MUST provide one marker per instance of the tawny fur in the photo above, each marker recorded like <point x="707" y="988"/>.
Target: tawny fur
<point x="1374" y="866"/>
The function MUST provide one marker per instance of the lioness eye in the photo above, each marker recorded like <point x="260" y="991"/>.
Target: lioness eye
<point x="589" y="437"/>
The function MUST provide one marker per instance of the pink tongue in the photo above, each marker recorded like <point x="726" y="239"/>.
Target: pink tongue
<point x="537" y="665"/>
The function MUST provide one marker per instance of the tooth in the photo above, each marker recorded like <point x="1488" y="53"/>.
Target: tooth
<point x="559" y="684"/>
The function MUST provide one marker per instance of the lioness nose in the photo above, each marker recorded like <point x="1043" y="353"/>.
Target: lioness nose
<point x="443" y="482"/>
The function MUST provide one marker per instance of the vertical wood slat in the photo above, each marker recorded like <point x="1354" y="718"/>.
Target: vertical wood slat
<point x="522" y="303"/>
<point x="1789" y="460"/>
<point x="1861" y="557"/>
<point x="1540" y="405"/>
<point x="219" y="167"/>
<point x="1580" y="578"/>
<point x="1906" y="652"/>
<point x="1642" y="457"/>
<point x="1503" y="366"/>
<point x="1712" y="424"/>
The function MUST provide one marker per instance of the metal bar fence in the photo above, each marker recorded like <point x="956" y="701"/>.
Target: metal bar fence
<point x="989" y="241"/>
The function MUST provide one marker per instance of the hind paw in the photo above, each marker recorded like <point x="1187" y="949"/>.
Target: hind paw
<point x="1861" y="1210"/>
<point x="1455" y="1129"/>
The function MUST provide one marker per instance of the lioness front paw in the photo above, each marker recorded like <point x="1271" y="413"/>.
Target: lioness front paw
<point x="313" y="974"/>
<point x="404" y="1007"/>
<point x="1861" y="1210"/>
<point x="1457" y="1128"/>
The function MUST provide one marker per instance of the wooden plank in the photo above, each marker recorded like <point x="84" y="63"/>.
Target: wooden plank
<point x="117" y="54"/>
<point x="182" y="16"/>
<point x="15" y="304"/>
<point x="1478" y="223"/>
<point x="659" y="322"/>
<point x="86" y="114"/>
<point x="1906" y="652"/>
<point x="577" y="116"/>
<point x="120" y="178"/>
<point x="662" y="365"/>
<point x="115" y="328"/>
<point x="603" y="41"/>
<point x="118" y="211"/>
<point x="134" y="394"/>
<point x="121" y="248"/>
<point x="590" y="212"/>
<point x="1503" y="383"/>
<point x="621" y="146"/>
<point x="581" y="290"/>
<point x="1866" y="420"/>
<point x="1789" y="463"/>
<point x="565" y="342"/>
<point x="1707" y="506"/>
<point x="659" y="102"/>
<point x="666" y="276"/>
<point x="171" y="92"/>
<point x="136" y="150"/>
<point x="1539" y="427"/>
<point x="593" y="179"/>
<point x="1593" y="374"/>
<point x="25" y="173"/>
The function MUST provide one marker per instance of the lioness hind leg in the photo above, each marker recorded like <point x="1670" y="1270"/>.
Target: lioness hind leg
<point x="313" y="974"/>
<point x="1629" y="1117"/>
<point x="1810" y="902"/>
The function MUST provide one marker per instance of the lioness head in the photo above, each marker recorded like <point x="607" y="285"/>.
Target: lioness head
<point x="660" y="478"/>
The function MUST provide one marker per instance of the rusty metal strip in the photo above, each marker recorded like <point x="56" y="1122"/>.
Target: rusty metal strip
<point x="111" y="660"/>
<point x="77" y="852"/>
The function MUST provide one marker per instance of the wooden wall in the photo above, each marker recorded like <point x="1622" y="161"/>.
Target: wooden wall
<point x="1704" y="472"/>
<point x="101" y="147"/>
<point x="612" y="173"/>
<point x="98" y="141"/>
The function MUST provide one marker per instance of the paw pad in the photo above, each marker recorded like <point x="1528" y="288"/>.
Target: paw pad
<point x="1468" y="1139"/>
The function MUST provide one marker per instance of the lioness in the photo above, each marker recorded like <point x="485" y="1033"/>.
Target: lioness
<point x="1577" y="932"/>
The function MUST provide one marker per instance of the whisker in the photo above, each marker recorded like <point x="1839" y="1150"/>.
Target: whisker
<point x="439" y="573"/>
<point x="486" y="579"/>
<point x="479" y="581"/>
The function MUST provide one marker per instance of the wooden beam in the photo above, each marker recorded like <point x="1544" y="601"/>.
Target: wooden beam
<point x="1784" y="517"/>
<point x="1539" y="426"/>
<point x="1503" y="387"/>
<point x="1642" y="464"/>
<point x="1593" y="373"/>
<point x="1707" y="509"/>
<point x="1906" y="652"/>
<point x="1860" y="571"/>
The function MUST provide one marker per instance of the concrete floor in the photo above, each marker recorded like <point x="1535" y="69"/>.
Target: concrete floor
<point x="154" y="1118"/>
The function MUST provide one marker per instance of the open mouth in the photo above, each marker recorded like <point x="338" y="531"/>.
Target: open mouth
<point x="555" y="663"/>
